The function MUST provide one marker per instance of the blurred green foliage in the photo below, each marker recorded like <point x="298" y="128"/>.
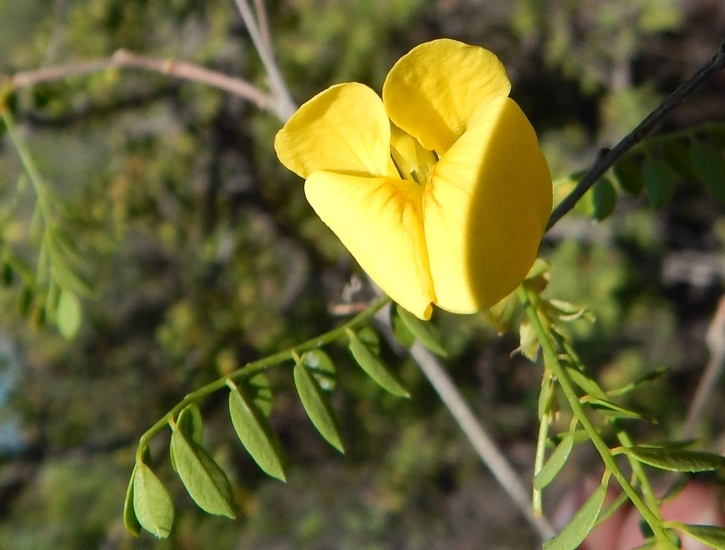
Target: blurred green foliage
<point x="204" y="255"/>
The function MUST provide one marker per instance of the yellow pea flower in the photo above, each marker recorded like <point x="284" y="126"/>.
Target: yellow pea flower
<point x="439" y="190"/>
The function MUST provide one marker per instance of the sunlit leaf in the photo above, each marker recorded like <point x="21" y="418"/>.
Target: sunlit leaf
<point x="374" y="368"/>
<point x="203" y="478"/>
<point x="151" y="502"/>
<point x="709" y="167"/>
<point x="256" y="433"/>
<point x="424" y="331"/>
<point x="554" y="463"/>
<point x="676" y="460"/>
<point x="581" y="524"/>
<point x="189" y="422"/>
<point x="710" y="535"/>
<point x="260" y="390"/>
<point x="317" y="406"/>
<point x="69" y="314"/>
<point x="130" y="521"/>
<point x="659" y="181"/>
<point x="321" y="367"/>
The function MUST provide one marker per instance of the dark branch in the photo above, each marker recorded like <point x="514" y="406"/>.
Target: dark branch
<point x="606" y="159"/>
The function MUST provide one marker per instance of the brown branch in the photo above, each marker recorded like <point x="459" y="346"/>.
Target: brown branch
<point x="607" y="157"/>
<point x="126" y="59"/>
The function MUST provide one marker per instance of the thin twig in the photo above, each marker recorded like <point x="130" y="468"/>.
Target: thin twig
<point x="715" y="340"/>
<point x="607" y="157"/>
<point x="126" y="59"/>
<point x="263" y="20"/>
<point x="284" y="107"/>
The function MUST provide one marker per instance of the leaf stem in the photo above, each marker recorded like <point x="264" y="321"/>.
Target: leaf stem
<point x="250" y="369"/>
<point x="526" y="298"/>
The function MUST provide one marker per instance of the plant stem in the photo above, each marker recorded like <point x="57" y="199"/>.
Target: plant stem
<point x="567" y="386"/>
<point x="255" y="367"/>
<point x="607" y="157"/>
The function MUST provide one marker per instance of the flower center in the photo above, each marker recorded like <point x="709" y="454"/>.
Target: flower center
<point x="412" y="161"/>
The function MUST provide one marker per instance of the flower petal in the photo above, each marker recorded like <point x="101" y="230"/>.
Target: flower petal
<point x="344" y="129"/>
<point x="485" y="208"/>
<point x="432" y="91"/>
<point x="379" y="220"/>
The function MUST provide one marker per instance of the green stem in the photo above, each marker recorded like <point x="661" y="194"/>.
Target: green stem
<point x="567" y="387"/>
<point x="625" y="440"/>
<point x="255" y="367"/>
<point x="29" y="165"/>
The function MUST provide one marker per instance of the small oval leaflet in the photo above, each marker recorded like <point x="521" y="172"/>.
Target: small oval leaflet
<point x="676" y="460"/>
<point x="151" y="502"/>
<point x="629" y="175"/>
<point x="69" y="314"/>
<point x="400" y="329"/>
<point x="189" y="422"/>
<point x="259" y="388"/>
<point x="317" y="406"/>
<point x="581" y="524"/>
<point x="554" y="463"/>
<point x="374" y="368"/>
<point x="659" y="181"/>
<point x="321" y="367"/>
<point x="256" y="433"/>
<point x="203" y="478"/>
<point x="425" y="332"/>
<point x="130" y="521"/>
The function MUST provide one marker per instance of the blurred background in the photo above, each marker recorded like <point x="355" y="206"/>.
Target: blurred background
<point x="203" y="255"/>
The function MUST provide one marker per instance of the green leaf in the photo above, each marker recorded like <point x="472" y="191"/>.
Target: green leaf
<point x="322" y="368"/>
<point x="581" y="524"/>
<point x="203" y="478"/>
<point x="424" y="331"/>
<point x="604" y="199"/>
<point x="375" y="369"/>
<point x="370" y="338"/>
<point x="710" y="535"/>
<point x="130" y="521"/>
<point x="649" y="377"/>
<point x="69" y="314"/>
<point x="547" y="397"/>
<point x="317" y="405"/>
<point x="659" y="181"/>
<point x="259" y="388"/>
<point x="501" y="314"/>
<point x="629" y="175"/>
<point x="256" y="433"/>
<point x="400" y="329"/>
<point x="676" y="460"/>
<point x="608" y="408"/>
<point x="189" y="422"/>
<point x="709" y="167"/>
<point x="586" y="384"/>
<point x="554" y="463"/>
<point x="677" y="155"/>
<point x="151" y="502"/>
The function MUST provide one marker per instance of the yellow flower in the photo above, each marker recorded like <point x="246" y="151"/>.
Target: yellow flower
<point x="440" y="190"/>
